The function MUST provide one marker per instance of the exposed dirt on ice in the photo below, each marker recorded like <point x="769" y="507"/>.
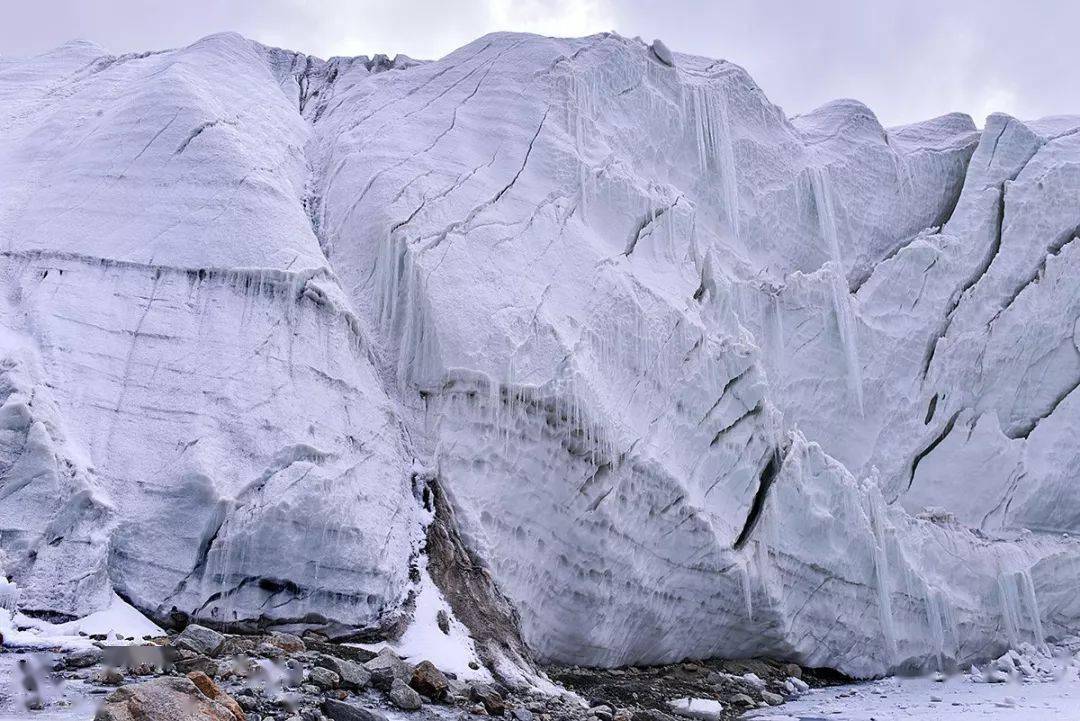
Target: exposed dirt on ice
<point x="737" y="685"/>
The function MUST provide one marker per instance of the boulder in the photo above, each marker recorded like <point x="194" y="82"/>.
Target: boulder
<point x="214" y="692"/>
<point x="109" y="677"/>
<point x="385" y="668"/>
<point x="404" y="697"/>
<point x="341" y="711"/>
<point x="287" y="642"/>
<point x="200" y="639"/>
<point x="164" y="699"/>
<point x="324" y="679"/>
<point x="203" y="664"/>
<point x="353" y="676"/>
<point x="489" y="697"/>
<point x="83" y="658"/>
<point x="430" y="681"/>
<point x="773" y="699"/>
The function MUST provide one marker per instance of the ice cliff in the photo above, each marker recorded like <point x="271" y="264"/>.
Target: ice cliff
<point x="674" y="375"/>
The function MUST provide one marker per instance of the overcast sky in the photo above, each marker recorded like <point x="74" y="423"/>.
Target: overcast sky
<point x="906" y="59"/>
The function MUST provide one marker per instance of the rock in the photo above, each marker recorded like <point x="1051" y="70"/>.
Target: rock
<point x="743" y="700"/>
<point x="478" y="710"/>
<point x="520" y="713"/>
<point x="489" y="697"/>
<point x="793" y="670"/>
<point x="404" y="697"/>
<point x="167" y="698"/>
<point x="324" y="678"/>
<point x="109" y="677"/>
<point x="83" y="658"/>
<point x="203" y="664"/>
<point x="212" y="691"/>
<point x="341" y="711"/>
<point x="430" y="681"/>
<point x="287" y="642"/>
<point x="773" y="699"/>
<point x="385" y="668"/>
<point x="353" y="676"/>
<point x="622" y="714"/>
<point x="662" y="53"/>
<point x="442" y="620"/>
<point x="269" y="650"/>
<point x="602" y="712"/>
<point x="201" y="640"/>
<point x="650" y="715"/>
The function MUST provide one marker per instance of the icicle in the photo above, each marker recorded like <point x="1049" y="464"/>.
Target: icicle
<point x="841" y="298"/>
<point x="1028" y="589"/>
<point x="748" y="599"/>
<point x="881" y="569"/>
<point x="1010" y="609"/>
<point x="937" y="630"/>
<point x="715" y="150"/>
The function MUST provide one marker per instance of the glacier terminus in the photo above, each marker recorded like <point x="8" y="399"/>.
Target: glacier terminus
<point x="585" y="339"/>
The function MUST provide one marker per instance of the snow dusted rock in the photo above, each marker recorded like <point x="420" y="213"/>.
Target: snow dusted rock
<point x="688" y="371"/>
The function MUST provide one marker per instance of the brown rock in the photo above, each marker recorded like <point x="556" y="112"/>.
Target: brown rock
<point x="213" y="692"/>
<point x="429" y="681"/>
<point x="109" y="677"/>
<point x="287" y="642"/>
<point x="162" y="699"/>
<point x="489" y="698"/>
<point x="204" y="664"/>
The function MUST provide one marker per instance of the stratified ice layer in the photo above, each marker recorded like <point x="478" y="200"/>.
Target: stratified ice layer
<point x="698" y="379"/>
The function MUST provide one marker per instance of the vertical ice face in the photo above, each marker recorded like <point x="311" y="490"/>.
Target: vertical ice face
<point x="219" y="442"/>
<point x="694" y="377"/>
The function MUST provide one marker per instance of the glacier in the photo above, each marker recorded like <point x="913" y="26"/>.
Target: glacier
<point x="672" y="374"/>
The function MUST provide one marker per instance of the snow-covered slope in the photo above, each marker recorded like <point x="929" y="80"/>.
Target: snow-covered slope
<point x="689" y="371"/>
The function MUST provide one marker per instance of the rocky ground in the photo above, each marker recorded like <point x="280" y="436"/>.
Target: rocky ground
<point x="203" y="675"/>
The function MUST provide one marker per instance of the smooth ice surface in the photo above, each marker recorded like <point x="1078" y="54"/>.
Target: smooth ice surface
<point x="698" y="378"/>
<point x="896" y="699"/>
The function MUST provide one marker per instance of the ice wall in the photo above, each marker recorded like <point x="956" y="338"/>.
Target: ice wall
<point x="697" y="379"/>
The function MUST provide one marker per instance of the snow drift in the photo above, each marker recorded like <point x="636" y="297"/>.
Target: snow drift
<point x="696" y="378"/>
